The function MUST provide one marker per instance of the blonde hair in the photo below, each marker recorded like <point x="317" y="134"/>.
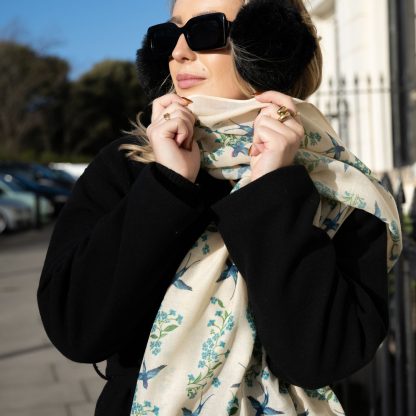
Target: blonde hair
<point x="305" y="86"/>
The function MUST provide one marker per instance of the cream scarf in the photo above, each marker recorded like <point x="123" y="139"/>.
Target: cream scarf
<point x="203" y="356"/>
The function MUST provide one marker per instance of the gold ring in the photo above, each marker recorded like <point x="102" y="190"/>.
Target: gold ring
<point x="284" y="113"/>
<point x="282" y="109"/>
<point x="284" y="117"/>
<point x="166" y="116"/>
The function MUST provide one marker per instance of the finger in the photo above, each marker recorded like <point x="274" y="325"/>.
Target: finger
<point x="180" y="130"/>
<point x="160" y="104"/>
<point x="268" y="111"/>
<point x="294" y="123"/>
<point x="185" y="117"/>
<point x="289" y="127"/>
<point x="277" y="98"/>
<point x="278" y="113"/>
<point x="263" y="134"/>
<point x="175" y="129"/>
<point x="267" y="138"/>
<point x="254" y="150"/>
<point x="175" y="110"/>
<point x="190" y="127"/>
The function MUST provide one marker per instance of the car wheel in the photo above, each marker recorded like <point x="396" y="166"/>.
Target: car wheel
<point x="3" y="224"/>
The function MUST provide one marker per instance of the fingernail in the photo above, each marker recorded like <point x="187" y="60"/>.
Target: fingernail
<point x="187" y="100"/>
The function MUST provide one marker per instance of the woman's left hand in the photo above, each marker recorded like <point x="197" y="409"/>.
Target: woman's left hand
<point x="275" y="143"/>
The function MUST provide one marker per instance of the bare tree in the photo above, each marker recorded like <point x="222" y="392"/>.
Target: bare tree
<point x="28" y="83"/>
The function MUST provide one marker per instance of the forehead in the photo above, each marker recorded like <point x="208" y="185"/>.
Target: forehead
<point x="183" y="10"/>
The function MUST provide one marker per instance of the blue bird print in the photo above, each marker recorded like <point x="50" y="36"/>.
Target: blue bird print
<point x="261" y="408"/>
<point x="237" y="145"/>
<point x="145" y="375"/>
<point x="239" y="148"/>
<point x="230" y="271"/>
<point x="187" y="412"/>
<point x="332" y="223"/>
<point x="177" y="282"/>
<point x="336" y="150"/>
<point x="247" y="128"/>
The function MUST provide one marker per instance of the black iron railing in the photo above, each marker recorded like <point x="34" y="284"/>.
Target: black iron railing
<point x="386" y="386"/>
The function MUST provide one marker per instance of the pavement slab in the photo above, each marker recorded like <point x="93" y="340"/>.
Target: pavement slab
<point x="36" y="379"/>
<point x="41" y="411"/>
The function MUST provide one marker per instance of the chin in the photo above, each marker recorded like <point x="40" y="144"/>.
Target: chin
<point x="206" y="91"/>
<point x="191" y="91"/>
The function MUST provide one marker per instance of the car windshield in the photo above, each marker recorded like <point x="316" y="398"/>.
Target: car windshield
<point x="11" y="182"/>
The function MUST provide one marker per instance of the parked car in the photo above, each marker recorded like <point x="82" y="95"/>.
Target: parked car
<point x="14" y="215"/>
<point x="11" y="189"/>
<point x="56" y="195"/>
<point x="75" y="170"/>
<point x="64" y="174"/>
<point x="44" y="175"/>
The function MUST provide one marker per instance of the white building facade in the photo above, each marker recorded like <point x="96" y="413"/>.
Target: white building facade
<point x="354" y="93"/>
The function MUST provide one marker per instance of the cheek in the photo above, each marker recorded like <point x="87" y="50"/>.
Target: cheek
<point x="172" y="69"/>
<point x="221" y="69"/>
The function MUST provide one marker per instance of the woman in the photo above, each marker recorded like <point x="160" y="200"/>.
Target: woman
<point x="154" y="241"/>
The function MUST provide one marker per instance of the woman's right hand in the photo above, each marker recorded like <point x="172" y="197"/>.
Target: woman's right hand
<point x="171" y="138"/>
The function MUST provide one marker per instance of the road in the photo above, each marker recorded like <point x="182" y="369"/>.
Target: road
<point x="36" y="379"/>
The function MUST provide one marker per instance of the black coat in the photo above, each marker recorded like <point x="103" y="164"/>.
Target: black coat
<point x="320" y="306"/>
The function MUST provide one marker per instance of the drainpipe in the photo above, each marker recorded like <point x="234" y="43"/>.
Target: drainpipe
<point x="397" y="42"/>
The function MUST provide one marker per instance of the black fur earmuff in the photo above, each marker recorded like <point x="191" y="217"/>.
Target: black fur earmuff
<point x="272" y="43"/>
<point x="275" y="44"/>
<point x="154" y="76"/>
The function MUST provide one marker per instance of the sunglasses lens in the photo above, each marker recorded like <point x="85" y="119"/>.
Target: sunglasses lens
<point x="206" y="34"/>
<point x="163" y="39"/>
<point x="202" y="33"/>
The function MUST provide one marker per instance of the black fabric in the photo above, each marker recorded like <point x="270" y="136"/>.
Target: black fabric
<point x="320" y="305"/>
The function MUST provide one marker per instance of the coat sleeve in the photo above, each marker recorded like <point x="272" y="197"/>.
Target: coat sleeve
<point x="319" y="305"/>
<point x="112" y="254"/>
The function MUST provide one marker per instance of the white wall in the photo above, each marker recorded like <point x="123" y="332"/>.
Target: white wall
<point x="361" y="49"/>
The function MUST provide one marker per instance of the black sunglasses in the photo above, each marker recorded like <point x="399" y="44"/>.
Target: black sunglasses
<point x="208" y="31"/>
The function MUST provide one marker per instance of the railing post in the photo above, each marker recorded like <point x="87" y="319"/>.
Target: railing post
<point x="385" y="377"/>
<point x="398" y="327"/>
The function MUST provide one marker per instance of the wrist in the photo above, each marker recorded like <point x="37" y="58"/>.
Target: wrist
<point x="190" y="176"/>
<point x="172" y="171"/>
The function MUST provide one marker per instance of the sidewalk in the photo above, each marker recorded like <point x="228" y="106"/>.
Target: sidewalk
<point x="36" y="380"/>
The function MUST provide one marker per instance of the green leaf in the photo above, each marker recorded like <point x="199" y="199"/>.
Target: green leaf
<point x="170" y="328"/>
<point x="153" y="336"/>
<point x="216" y="365"/>
<point x="197" y="380"/>
<point x="220" y="303"/>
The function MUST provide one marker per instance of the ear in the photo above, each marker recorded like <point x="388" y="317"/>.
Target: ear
<point x="152" y="72"/>
<point x="274" y="32"/>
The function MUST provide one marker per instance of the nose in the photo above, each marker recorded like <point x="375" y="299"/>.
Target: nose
<point x="182" y="51"/>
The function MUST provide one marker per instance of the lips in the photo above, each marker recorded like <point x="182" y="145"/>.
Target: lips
<point x="188" y="80"/>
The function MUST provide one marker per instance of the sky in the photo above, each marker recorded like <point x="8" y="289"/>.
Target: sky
<point x="83" y="32"/>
